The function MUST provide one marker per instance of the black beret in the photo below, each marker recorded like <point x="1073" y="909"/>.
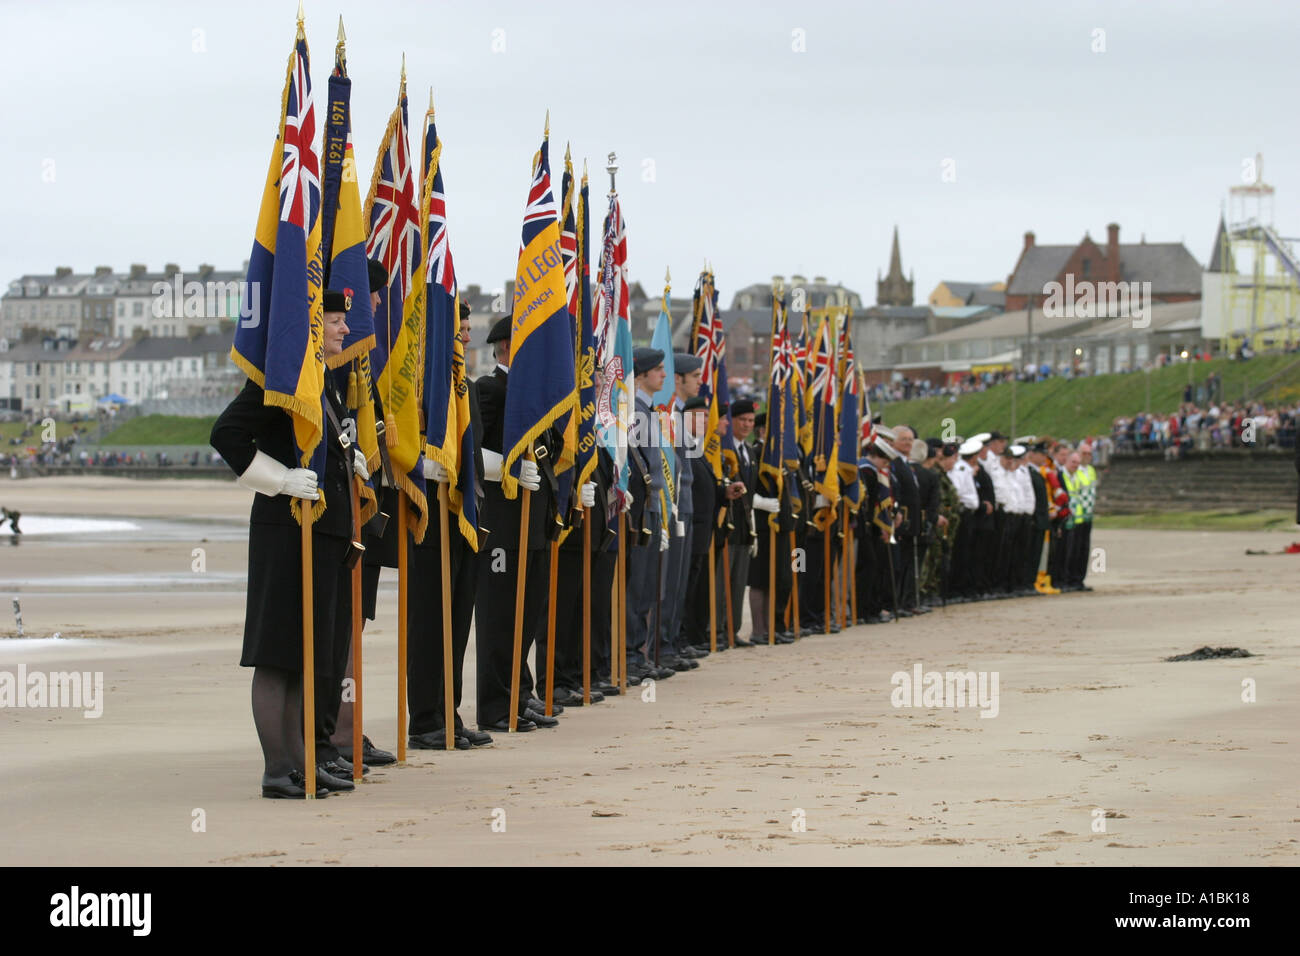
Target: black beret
<point x="684" y="363"/>
<point x="1039" y="446"/>
<point x="500" y="330"/>
<point x="645" y="359"/>
<point x="336" y="300"/>
<point x="464" y="309"/>
<point x="996" y="435"/>
<point x="934" y="445"/>
<point x="742" y="406"/>
<point x="699" y="401"/>
<point x="760" y="419"/>
<point x="378" y="274"/>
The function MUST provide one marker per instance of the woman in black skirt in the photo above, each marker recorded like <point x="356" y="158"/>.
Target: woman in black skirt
<point x="256" y="441"/>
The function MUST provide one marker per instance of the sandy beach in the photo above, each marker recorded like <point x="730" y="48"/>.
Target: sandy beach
<point x="720" y="767"/>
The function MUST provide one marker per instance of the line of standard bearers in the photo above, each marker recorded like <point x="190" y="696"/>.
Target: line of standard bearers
<point x="938" y="523"/>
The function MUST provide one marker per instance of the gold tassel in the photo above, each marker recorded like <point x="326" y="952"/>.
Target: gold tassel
<point x="390" y="431"/>
<point x="353" y="399"/>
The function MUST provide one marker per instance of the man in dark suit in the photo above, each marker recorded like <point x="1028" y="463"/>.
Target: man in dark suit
<point x="424" y="660"/>
<point x="740" y="499"/>
<point x="907" y="529"/>
<point x="706" y="495"/>
<point x="501" y="517"/>
<point x="257" y="442"/>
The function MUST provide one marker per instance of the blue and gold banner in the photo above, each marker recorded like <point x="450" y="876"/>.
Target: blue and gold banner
<point x="539" y="391"/>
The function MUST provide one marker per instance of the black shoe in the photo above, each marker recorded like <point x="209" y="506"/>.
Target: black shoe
<point x="539" y="719"/>
<point x="692" y="652"/>
<point x="435" y="740"/>
<point x="596" y="696"/>
<point x="678" y="663"/>
<point x="289" y="787"/>
<point x="1084" y="587"/>
<point x="503" y="726"/>
<point x="330" y="782"/>
<point x="744" y="643"/>
<point x="532" y="703"/>
<point x="786" y="638"/>
<point x="476" y="738"/>
<point x="347" y="766"/>
<point x="371" y="756"/>
<point x="609" y="690"/>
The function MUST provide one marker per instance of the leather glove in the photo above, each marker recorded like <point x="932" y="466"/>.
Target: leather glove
<point x="589" y="494"/>
<point x="433" y="471"/>
<point x="663" y="539"/>
<point x="301" y="483"/>
<point x="770" y="505"/>
<point x="359" y="464"/>
<point x="529" y="475"/>
<point x="679" y="529"/>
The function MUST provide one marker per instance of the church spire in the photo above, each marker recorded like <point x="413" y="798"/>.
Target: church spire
<point x="895" y="288"/>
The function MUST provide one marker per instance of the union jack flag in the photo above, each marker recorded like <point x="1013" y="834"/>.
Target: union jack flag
<point x="393" y="210"/>
<point x="300" y="168"/>
<point x="540" y="211"/>
<point x="438" y="266"/>
<point x="569" y="238"/>
<point x="612" y="304"/>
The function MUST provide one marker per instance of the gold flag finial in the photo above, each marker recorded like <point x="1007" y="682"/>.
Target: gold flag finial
<point x="302" y="34"/>
<point x="584" y="170"/>
<point x="668" y="277"/>
<point x="342" y="36"/>
<point x="431" y="101"/>
<point x="403" y="66"/>
<point x="546" y="134"/>
<point x="568" y="158"/>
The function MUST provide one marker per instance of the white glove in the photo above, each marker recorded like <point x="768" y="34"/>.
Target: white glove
<point x="359" y="464"/>
<point x="821" y="502"/>
<point x="491" y="465"/>
<point x="529" y="476"/>
<point x="267" y="476"/>
<point x="301" y="483"/>
<point x="625" y="501"/>
<point x="679" y="531"/>
<point x="663" y="539"/>
<point x="753" y="548"/>
<point x="770" y="505"/>
<point x="433" y="471"/>
<point x="589" y="494"/>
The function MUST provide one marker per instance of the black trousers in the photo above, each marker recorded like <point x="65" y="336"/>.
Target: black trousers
<point x="812" y="583"/>
<point x="424" y="649"/>
<point x="568" y="624"/>
<point x="1033" y="555"/>
<point x="494" y="612"/>
<point x="905" y="567"/>
<point x="760" y="570"/>
<point x="332" y="660"/>
<point x="604" y="567"/>
<point x="1056" y="554"/>
<point x="1080" y="552"/>
<point x="695" y="613"/>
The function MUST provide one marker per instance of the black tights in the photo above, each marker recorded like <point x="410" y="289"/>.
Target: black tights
<point x="277" y="713"/>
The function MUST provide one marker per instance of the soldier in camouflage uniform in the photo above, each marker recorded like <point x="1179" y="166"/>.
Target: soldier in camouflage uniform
<point x="936" y="569"/>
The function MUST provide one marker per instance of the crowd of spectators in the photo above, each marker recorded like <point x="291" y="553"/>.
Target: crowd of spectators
<point x="1220" y="425"/>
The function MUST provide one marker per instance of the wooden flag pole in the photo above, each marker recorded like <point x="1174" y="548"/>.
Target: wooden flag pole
<point x="308" y="657"/>
<point x="520" y="578"/>
<point x="619" y="611"/>
<point x="357" y="625"/>
<point x="403" y="576"/>
<point x="828" y="571"/>
<point x="713" y="601"/>
<point x="771" y="584"/>
<point x="844" y="565"/>
<point x="853" y="576"/>
<point x="448" y="665"/>
<point x="586" y="607"/>
<point x="794" y="587"/>
<point x="550" y="628"/>
<point x="622" y="603"/>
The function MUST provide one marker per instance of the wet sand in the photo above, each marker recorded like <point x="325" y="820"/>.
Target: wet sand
<point x="1091" y="724"/>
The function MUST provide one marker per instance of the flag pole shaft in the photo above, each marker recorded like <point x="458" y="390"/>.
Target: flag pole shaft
<point x="403" y="576"/>
<point x="853" y="577"/>
<point x="550" y="628"/>
<point x="448" y="678"/>
<point x="844" y="564"/>
<point x="827" y="572"/>
<point x="308" y="658"/>
<point x="771" y="584"/>
<point x="357" y="625"/>
<point x="622" y="604"/>
<point x="520" y="577"/>
<point x="586" y="606"/>
<point x="794" y="587"/>
<point x="713" y="601"/>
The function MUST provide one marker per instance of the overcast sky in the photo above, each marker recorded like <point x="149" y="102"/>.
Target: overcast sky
<point x="734" y="146"/>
